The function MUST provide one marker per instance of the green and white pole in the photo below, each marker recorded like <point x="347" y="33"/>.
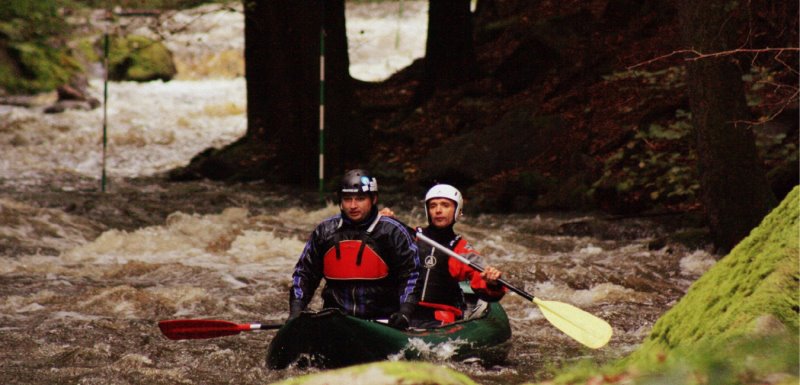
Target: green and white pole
<point x="322" y="110"/>
<point x="105" y="112"/>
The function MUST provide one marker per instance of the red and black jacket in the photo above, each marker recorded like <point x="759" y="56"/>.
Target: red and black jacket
<point x="441" y="274"/>
<point x="370" y="267"/>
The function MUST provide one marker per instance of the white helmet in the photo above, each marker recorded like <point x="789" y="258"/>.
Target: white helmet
<point x="445" y="191"/>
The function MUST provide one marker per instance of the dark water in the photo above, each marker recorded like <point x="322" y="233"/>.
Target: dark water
<point x="85" y="276"/>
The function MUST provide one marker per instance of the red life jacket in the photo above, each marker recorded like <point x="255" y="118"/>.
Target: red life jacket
<point x="445" y="313"/>
<point x="354" y="259"/>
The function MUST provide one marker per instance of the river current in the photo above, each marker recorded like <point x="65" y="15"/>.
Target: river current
<point x="85" y="275"/>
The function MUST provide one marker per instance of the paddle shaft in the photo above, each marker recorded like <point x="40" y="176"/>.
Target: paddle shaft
<point x="265" y="326"/>
<point x="469" y="263"/>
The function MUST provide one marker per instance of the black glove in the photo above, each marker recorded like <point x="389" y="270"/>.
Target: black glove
<point x="402" y="318"/>
<point x="296" y="307"/>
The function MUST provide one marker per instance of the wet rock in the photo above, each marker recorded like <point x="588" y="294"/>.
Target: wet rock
<point x="698" y="238"/>
<point x="62" y="106"/>
<point x="577" y="228"/>
<point x="74" y="95"/>
<point x="28" y="101"/>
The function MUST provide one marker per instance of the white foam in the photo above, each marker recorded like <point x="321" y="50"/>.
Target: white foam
<point x="591" y="250"/>
<point x="697" y="263"/>
<point x="64" y="315"/>
<point x="604" y="292"/>
<point x="229" y="243"/>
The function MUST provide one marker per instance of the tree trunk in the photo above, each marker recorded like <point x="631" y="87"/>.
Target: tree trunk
<point x="282" y="70"/>
<point x="734" y="187"/>
<point x="346" y="134"/>
<point x="282" y="66"/>
<point x="449" y="50"/>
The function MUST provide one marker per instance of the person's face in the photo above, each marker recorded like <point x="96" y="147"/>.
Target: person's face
<point x="441" y="211"/>
<point x="357" y="206"/>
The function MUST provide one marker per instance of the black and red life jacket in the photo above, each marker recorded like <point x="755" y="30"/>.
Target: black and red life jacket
<point x="438" y="285"/>
<point x="353" y="255"/>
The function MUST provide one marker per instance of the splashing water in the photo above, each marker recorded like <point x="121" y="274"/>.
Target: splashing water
<point x="440" y="352"/>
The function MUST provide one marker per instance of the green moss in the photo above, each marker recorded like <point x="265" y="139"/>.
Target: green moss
<point x="425" y="373"/>
<point x="85" y="49"/>
<point x="31" y="67"/>
<point x="401" y="372"/>
<point x="737" y="324"/>
<point x="32" y="57"/>
<point x="138" y="58"/>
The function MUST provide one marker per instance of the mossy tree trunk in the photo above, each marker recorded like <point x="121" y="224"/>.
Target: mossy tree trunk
<point x="449" y="49"/>
<point x="734" y="187"/>
<point x="282" y="66"/>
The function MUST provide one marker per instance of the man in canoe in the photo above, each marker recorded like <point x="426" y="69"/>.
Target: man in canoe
<point x="441" y="299"/>
<point x="370" y="262"/>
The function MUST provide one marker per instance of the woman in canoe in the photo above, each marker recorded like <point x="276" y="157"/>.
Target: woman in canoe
<point x="441" y="298"/>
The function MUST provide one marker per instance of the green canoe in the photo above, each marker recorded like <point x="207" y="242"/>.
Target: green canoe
<point x="331" y="339"/>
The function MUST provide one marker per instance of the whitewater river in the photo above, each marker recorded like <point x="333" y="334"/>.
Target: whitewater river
<point x="86" y="275"/>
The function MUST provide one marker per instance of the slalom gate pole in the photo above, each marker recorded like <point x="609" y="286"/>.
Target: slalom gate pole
<point x="322" y="108"/>
<point x="105" y="110"/>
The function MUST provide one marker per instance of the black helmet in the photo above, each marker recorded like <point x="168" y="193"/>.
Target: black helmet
<point x="358" y="181"/>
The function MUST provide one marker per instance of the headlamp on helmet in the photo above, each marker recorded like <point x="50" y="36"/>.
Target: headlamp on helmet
<point x="358" y="181"/>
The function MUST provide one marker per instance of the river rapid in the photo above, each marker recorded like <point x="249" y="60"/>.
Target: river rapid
<point x="85" y="275"/>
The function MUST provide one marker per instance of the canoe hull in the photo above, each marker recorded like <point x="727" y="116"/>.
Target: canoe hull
<point x="331" y="339"/>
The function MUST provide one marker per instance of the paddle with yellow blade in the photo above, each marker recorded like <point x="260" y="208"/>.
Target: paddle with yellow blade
<point x="576" y="323"/>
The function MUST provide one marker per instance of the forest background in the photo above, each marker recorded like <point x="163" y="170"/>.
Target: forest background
<point x="633" y="107"/>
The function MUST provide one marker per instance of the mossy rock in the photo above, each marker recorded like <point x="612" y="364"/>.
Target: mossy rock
<point x="385" y="373"/>
<point x="27" y="68"/>
<point x="138" y="58"/>
<point x="758" y="278"/>
<point x="737" y="324"/>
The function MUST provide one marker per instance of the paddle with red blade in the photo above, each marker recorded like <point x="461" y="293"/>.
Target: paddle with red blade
<point x="185" y="329"/>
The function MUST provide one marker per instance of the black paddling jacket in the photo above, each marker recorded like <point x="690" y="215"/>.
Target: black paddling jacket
<point x="441" y="273"/>
<point x="370" y="267"/>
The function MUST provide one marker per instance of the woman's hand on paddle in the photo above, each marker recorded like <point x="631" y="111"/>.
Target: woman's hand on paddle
<point x="491" y="275"/>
